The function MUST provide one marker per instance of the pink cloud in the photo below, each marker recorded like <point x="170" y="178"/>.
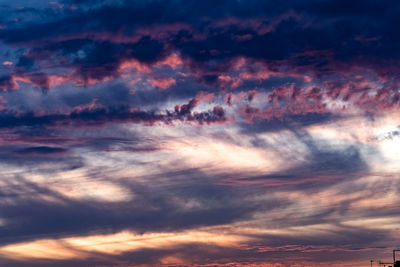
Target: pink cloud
<point x="88" y="107"/>
<point x="228" y="81"/>
<point x="285" y="101"/>
<point x="163" y="83"/>
<point x="173" y="61"/>
<point x="46" y="81"/>
<point x="134" y="64"/>
<point x="205" y="97"/>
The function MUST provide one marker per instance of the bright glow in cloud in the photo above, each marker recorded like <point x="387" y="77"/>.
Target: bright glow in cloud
<point x="69" y="248"/>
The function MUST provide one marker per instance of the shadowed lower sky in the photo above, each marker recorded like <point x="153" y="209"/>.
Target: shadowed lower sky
<point x="199" y="133"/>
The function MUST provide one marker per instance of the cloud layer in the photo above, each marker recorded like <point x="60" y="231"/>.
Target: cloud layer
<point x="206" y="133"/>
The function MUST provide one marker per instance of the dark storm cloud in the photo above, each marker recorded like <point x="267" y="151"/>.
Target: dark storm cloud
<point x="316" y="36"/>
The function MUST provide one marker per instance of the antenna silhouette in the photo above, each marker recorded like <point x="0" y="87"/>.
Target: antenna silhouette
<point x="396" y="263"/>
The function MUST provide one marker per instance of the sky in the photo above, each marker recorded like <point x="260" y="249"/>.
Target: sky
<point x="199" y="133"/>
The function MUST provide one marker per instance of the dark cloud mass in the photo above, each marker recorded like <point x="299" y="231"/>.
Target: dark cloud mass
<point x="199" y="133"/>
<point x="101" y="116"/>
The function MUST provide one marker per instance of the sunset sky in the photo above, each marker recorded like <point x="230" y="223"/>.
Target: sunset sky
<point x="199" y="133"/>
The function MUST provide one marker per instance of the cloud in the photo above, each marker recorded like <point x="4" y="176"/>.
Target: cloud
<point x="105" y="45"/>
<point x="100" y="116"/>
<point x="198" y="132"/>
<point x="42" y="150"/>
<point x="163" y="84"/>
